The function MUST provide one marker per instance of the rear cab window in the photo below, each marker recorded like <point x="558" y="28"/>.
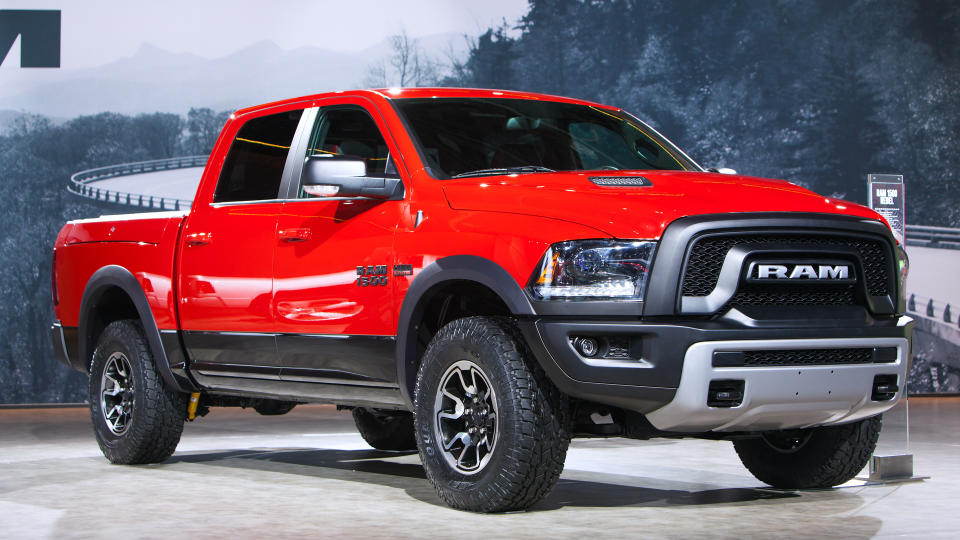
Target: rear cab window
<point x="254" y="166"/>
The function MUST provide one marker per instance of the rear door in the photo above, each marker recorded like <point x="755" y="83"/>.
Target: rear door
<point x="227" y="250"/>
<point x="333" y="287"/>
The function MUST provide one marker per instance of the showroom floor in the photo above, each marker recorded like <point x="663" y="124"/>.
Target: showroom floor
<point x="308" y="474"/>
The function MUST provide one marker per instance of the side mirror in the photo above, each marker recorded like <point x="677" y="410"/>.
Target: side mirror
<point x="722" y="170"/>
<point x="341" y="176"/>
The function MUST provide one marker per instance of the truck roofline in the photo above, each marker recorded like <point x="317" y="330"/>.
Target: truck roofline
<point x="426" y="92"/>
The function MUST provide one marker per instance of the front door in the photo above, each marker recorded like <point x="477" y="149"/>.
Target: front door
<point x="333" y="268"/>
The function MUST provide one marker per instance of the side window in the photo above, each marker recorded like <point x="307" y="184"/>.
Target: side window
<point x="254" y="165"/>
<point x="351" y="132"/>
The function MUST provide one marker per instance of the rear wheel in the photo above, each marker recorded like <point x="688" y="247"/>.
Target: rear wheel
<point x="810" y="458"/>
<point x="491" y="428"/>
<point x="385" y="430"/>
<point x="136" y="419"/>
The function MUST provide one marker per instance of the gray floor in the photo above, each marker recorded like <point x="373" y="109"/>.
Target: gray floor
<point x="308" y="474"/>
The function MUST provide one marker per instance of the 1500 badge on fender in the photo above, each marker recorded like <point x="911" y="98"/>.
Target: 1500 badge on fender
<point x="372" y="275"/>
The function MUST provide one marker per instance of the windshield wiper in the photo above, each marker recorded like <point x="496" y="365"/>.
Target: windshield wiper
<point x="504" y="170"/>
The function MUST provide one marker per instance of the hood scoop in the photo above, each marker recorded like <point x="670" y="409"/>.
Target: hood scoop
<point x="621" y="181"/>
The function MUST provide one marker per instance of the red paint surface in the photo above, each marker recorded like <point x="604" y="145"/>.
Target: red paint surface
<point x="241" y="273"/>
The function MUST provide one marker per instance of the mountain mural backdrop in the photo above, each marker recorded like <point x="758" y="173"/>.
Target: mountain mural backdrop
<point x="819" y="92"/>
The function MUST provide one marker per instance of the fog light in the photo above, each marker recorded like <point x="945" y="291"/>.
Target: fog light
<point x="588" y="347"/>
<point x="725" y="393"/>
<point x="884" y="388"/>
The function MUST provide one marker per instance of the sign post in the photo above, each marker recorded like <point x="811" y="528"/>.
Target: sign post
<point x="887" y="199"/>
<point x="892" y="460"/>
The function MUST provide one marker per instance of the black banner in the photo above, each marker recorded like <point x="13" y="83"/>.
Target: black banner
<point x="886" y="198"/>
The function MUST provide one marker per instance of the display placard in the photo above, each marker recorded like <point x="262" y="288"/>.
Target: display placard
<point x="887" y="199"/>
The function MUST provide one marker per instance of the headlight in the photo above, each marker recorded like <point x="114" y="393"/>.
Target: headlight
<point x="594" y="270"/>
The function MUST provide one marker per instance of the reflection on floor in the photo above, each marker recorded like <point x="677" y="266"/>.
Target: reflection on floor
<point x="308" y="474"/>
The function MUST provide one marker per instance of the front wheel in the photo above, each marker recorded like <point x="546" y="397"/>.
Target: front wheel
<point x="136" y="419"/>
<point x="492" y="429"/>
<point x="818" y="457"/>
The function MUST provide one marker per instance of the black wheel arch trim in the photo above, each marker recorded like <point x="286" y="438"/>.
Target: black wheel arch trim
<point x="119" y="277"/>
<point x="454" y="268"/>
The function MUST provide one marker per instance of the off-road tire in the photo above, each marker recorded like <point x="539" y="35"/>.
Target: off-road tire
<point x="828" y="455"/>
<point x="385" y="430"/>
<point x="155" y="418"/>
<point x="532" y="422"/>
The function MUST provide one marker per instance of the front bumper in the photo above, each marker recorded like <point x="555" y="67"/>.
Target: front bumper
<point x="671" y="366"/>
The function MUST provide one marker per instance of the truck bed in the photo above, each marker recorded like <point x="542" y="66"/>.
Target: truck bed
<point x="144" y="244"/>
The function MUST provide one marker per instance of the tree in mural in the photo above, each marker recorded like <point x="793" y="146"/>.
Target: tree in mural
<point x="407" y="65"/>
<point x="37" y="158"/>
<point x="203" y="125"/>
<point x="815" y="91"/>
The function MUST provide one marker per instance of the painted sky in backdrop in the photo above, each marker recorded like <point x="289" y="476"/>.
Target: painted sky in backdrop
<point x="141" y="57"/>
<point x="95" y="32"/>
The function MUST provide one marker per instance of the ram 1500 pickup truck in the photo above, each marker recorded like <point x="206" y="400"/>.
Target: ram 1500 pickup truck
<point x="482" y="275"/>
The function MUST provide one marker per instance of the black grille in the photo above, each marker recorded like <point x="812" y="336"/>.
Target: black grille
<point x="706" y="259"/>
<point x="810" y="357"/>
<point x="800" y="295"/>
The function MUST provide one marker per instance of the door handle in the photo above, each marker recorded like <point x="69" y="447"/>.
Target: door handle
<point x="295" y="235"/>
<point x="199" y="239"/>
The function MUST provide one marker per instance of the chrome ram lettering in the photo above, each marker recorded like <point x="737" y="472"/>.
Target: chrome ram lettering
<point x="834" y="272"/>
<point x="767" y="271"/>
<point x="802" y="271"/>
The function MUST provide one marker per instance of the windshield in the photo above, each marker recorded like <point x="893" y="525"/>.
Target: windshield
<point x="478" y="136"/>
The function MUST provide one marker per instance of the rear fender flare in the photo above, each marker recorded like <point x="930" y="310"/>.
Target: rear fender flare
<point x="119" y="277"/>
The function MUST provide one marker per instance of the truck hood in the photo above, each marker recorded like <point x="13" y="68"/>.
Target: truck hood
<point x="637" y="212"/>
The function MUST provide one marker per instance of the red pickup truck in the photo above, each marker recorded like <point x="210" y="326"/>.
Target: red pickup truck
<point x="482" y="275"/>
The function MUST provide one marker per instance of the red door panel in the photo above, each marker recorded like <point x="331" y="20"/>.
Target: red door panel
<point x="226" y="284"/>
<point x="319" y="249"/>
<point x="226" y="276"/>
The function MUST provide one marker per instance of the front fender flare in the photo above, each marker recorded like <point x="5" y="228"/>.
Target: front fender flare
<point x="454" y="268"/>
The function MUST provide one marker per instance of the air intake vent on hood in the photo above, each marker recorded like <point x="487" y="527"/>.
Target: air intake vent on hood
<point x="621" y="181"/>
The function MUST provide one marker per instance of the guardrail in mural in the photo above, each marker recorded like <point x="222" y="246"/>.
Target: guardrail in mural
<point x="935" y="237"/>
<point x="80" y="182"/>
<point x="930" y="308"/>
<point x="935" y="368"/>
<point x="917" y="235"/>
